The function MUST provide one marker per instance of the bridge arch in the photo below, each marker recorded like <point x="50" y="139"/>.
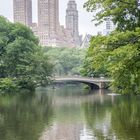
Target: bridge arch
<point x="94" y="83"/>
<point x="91" y="84"/>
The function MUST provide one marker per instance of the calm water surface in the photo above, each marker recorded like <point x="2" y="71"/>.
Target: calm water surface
<point x="69" y="113"/>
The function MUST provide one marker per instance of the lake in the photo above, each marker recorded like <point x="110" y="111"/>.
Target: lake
<point x="69" y="113"/>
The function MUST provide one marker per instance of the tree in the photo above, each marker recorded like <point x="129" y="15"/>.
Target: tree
<point x="119" y="52"/>
<point x="119" y="56"/>
<point x="66" y="61"/>
<point x="22" y="60"/>
<point x="124" y="13"/>
<point x="93" y="63"/>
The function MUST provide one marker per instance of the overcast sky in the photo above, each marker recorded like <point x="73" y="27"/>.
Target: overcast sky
<point x="85" y="24"/>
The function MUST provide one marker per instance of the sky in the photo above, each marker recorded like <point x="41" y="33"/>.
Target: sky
<point x="85" y="24"/>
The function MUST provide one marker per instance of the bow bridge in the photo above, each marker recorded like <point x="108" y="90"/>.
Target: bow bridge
<point x="94" y="83"/>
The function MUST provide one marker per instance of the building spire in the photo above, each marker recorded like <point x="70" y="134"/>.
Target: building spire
<point x="72" y="21"/>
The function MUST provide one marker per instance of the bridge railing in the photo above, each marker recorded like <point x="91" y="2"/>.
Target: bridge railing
<point x="97" y="79"/>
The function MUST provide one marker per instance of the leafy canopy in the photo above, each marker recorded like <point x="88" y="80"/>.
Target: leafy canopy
<point x="22" y="60"/>
<point x="66" y="61"/>
<point x="117" y="54"/>
<point x="124" y="13"/>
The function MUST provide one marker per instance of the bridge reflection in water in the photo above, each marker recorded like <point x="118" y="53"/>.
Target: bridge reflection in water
<point x="94" y="83"/>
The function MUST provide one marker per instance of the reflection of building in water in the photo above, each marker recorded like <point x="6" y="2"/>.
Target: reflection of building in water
<point x="85" y="134"/>
<point x="63" y="132"/>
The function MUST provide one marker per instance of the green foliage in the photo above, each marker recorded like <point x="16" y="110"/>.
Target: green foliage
<point x="66" y="61"/>
<point x="124" y="13"/>
<point x="21" y="57"/>
<point x="123" y="61"/>
<point x="7" y="85"/>
<point x="93" y="63"/>
<point x="118" y="54"/>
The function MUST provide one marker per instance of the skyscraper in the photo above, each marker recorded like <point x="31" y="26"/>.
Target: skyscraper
<point x="23" y="11"/>
<point x="48" y="20"/>
<point x="50" y="32"/>
<point x="72" y="20"/>
<point x="48" y="29"/>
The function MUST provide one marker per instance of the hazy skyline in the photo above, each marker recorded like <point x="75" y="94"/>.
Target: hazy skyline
<point x="85" y="24"/>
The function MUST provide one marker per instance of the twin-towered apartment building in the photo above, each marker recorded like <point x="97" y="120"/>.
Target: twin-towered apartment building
<point x="48" y="28"/>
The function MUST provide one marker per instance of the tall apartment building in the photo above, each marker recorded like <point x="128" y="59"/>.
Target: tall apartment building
<point x="23" y="11"/>
<point x="48" y="16"/>
<point x="49" y="30"/>
<point x="48" y="21"/>
<point x="72" y="21"/>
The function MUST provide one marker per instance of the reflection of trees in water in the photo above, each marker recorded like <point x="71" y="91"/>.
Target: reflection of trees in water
<point x="70" y="89"/>
<point x="67" y="122"/>
<point x="98" y="118"/>
<point x="126" y="118"/>
<point x="23" y="117"/>
<point x="118" y="121"/>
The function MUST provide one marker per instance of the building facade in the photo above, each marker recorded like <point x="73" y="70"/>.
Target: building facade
<point x="23" y="11"/>
<point x="109" y="26"/>
<point x="72" y="21"/>
<point x="50" y="32"/>
<point x="48" y="28"/>
<point x="48" y="21"/>
<point x="86" y="41"/>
